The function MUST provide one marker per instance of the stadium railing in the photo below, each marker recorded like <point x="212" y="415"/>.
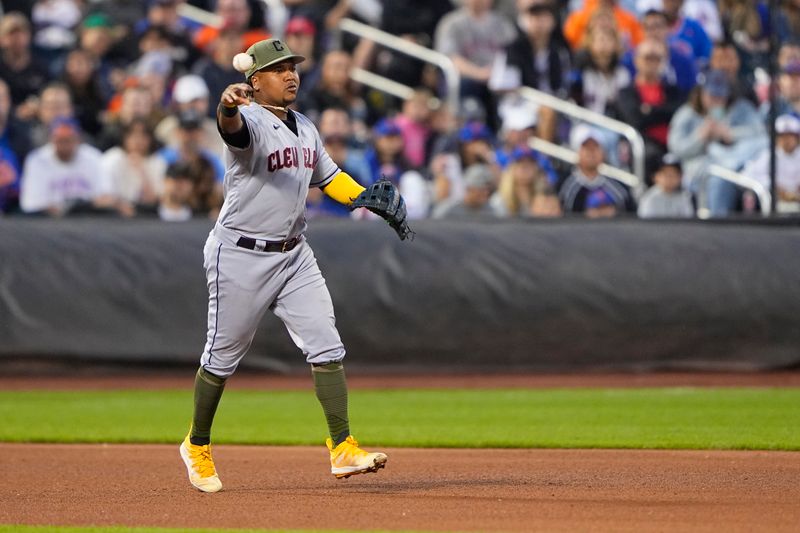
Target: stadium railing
<point x="761" y="192"/>
<point x="452" y="80"/>
<point x="634" y="180"/>
<point x="570" y="156"/>
<point x="445" y="64"/>
<point x="576" y="112"/>
<point x="200" y="15"/>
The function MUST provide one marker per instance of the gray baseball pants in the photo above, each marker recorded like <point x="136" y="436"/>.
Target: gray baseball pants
<point x="243" y="284"/>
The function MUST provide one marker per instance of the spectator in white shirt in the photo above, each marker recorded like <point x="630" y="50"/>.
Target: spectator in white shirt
<point x="787" y="164"/>
<point x="62" y="175"/>
<point x="133" y="173"/>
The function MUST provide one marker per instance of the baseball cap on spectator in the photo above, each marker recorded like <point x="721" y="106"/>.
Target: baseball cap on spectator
<point x="386" y="127"/>
<point x="540" y="8"/>
<point x="792" y="67"/>
<point x="524" y="152"/>
<point x="154" y="62"/>
<point x="519" y="121"/>
<point x="787" y="124"/>
<point x="97" y="20"/>
<point x="517" y="115"/>
<point x="649" y="6"/>
<point x="190" y="119"/>
<point x="301" y="25"/>
<point x="189" y="87"/>
<point x="671" y="160"/>
<point x="582" y="133"/>
<point x="599" y="198"/>
<point x="64" y="125"/>
<point x="478" y="176"/>
<point x="179" y="170"/>
<point x="13" y="21"/>
<point x="474" y="131"/>
<point x="716" y="84"/>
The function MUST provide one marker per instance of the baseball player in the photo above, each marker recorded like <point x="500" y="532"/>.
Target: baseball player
<point x="256" y="257"/>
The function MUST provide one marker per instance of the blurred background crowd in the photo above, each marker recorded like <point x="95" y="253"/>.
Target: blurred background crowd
<point x="108" y="106"/>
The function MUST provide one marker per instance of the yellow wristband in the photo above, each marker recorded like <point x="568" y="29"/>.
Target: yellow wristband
<point x="343" y="188"/>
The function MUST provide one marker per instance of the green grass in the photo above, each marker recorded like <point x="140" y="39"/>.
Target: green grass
<point x="696" y="418"/>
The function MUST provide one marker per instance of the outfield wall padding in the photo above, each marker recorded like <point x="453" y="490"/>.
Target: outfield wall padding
<point x="568" y="295"/>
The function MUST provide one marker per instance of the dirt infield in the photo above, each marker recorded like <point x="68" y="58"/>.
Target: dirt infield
<point x="429" y="490"/>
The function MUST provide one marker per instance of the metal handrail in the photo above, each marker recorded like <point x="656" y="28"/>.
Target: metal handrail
<point x="565" y="154"/>
<point x="451" y="75"/>
<point x="587" y="115"/>
<point x="381" y="83"/>
<point x="764" y="196"/>
<point x="200" y="15"/>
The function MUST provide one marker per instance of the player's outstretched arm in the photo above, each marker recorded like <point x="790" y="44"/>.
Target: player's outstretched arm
<point x="343" y="188"/>
<point x="228" y="117"/>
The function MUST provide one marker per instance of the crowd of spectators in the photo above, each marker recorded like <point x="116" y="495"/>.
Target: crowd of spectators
<point x="108" y="106"/>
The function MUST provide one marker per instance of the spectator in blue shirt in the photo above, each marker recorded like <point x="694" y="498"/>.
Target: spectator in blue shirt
<point x="386" y="160"/>
<point x="189" y="135"/>
<point x="336" y="131"/>
<point x="208" y="169"/>
<point x="9" y="180"/>
<point x="385" y="156"/>
<point x="687" y="34"/>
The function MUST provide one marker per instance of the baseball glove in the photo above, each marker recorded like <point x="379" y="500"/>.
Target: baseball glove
<point x="383" y="199"/>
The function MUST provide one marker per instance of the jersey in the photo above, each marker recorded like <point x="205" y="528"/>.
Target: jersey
<point x="578" y="192"/>
<point x="265" y="187"/>
<point x="266" y="183"/>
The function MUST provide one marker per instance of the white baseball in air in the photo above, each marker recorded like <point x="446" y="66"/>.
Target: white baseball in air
<point x="242" y="62"/>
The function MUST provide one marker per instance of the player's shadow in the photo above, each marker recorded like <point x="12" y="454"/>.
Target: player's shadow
<point x="399" y="486"/>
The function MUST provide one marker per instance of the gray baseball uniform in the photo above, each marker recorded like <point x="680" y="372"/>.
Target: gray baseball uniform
<point x="256" y="257"/>
<point x="265" y="190"/>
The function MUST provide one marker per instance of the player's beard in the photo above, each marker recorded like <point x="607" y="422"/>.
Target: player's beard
<point x="286" y="99"/>
<point x="285" y="102"/>
<point x="290" y="97"/>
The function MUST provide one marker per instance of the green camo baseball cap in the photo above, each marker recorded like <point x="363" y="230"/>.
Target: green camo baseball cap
<point x="269" y="52"/>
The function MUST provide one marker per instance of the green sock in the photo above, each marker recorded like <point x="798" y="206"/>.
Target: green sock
<point x="207" y="392"/>
<point x="331" y="388"/>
